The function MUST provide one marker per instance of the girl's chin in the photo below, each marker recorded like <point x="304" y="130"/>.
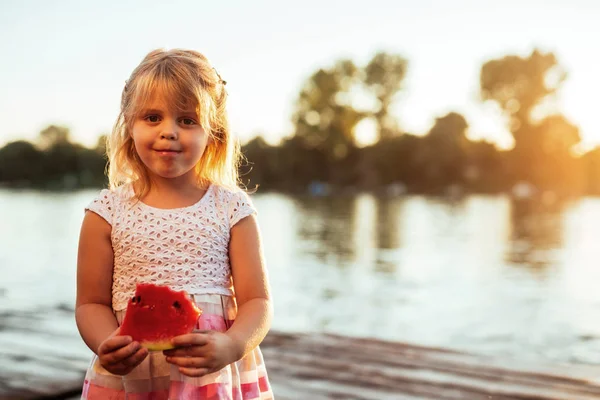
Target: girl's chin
<point x="170" y="174"/>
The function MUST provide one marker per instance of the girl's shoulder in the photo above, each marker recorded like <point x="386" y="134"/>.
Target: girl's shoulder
<point x="108" y="201"/>
<point x="226" y="193"/>
<point x="235" y="201"/>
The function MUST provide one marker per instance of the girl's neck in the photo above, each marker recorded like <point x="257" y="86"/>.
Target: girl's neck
<point x="174" y="193"/>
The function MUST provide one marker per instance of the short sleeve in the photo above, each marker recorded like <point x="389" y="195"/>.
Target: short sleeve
<point x="103" y="205"/>
<point x="240" y="207"/>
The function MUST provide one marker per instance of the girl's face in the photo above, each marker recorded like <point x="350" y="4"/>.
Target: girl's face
<point x="169" y="142"/>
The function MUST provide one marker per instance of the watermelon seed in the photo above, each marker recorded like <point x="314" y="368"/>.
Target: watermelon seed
<point x="176" y="304"/>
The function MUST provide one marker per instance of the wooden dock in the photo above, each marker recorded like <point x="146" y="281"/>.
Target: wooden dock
<point x="328" y="367"/>
<point x="335" y="367"/>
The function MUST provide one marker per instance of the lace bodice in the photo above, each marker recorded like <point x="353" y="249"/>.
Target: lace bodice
<point x="184" y="248"/>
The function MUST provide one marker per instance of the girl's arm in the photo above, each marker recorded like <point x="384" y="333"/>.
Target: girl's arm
<point x="93" y="310"/>
<point x="251" y="287"/>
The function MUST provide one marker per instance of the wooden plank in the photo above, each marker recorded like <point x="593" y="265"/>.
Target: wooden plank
<point x="420" y="371"/>
<point x="41" y="363"/>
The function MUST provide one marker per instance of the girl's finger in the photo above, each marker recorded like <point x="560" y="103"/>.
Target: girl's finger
<point x="114" y="343"/>
<point x="123" y="353"/>
<point x="188" y="362"/>
<point x="193" y="372"/>
<point x="135" y="359"/>
<point x="189" y="351"/>
<point x="190" y="339"/>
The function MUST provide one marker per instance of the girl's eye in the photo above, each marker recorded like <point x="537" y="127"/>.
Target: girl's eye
<point x="188" y="121"/>
<point x="152" y="118"/>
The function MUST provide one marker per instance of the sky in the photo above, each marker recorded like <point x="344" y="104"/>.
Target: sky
<point x="65" y="62"/>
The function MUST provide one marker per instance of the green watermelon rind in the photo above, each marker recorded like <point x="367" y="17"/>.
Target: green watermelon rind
<point x="157" y="345"/>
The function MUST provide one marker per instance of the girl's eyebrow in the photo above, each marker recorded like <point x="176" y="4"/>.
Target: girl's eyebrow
<point x="147" y="111"/>
<point x="150" y="111"/>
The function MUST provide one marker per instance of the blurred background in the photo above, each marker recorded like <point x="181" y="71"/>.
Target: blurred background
<point x="427" y="171"/>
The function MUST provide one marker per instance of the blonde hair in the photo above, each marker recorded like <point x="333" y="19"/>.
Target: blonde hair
<point x="184" y="77"/>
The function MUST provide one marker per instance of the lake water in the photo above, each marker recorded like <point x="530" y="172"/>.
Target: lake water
<point x="483" y="273"/>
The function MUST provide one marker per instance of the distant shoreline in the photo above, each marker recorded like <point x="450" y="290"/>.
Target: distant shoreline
<point x="522" y="191"/>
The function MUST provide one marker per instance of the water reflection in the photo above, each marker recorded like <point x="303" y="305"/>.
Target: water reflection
<point x="351" y="230"/>
<point x="386" y="222"/>
<point x="387" y="218"/>
<point x="327" y="227"/>
<point x="484" y="273"/>
<point x="536" y="232"/>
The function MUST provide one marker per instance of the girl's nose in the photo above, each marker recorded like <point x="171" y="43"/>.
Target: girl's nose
<point x="169" y="131"/>
<point x="169" y="135"/>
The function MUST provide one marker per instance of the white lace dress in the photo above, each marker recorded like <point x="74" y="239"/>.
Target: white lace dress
<point x="185" y="249"/>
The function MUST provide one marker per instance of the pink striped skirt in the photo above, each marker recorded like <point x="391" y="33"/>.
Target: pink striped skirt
<point x="155" y="379"/>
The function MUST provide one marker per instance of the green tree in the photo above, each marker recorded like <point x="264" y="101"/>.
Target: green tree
<point x="21" y="163"/>
<point x="555" y="167"/>
<point x="557" y="135"/>
<point x="591" y="166"/>
<point x="393" y="160"/>
<point x="519" y="84"/>
<point x="447" y="141"/>
<point x="53" y="135"/>
<point x="445" y="145"/>
<point x="383" y="76"/>
<point x="323" y="116"/>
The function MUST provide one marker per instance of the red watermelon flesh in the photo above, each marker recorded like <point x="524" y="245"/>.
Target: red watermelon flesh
<point x="156" y="314"/>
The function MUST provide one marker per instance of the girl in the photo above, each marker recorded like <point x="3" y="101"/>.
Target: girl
<point x="174" y="216"/>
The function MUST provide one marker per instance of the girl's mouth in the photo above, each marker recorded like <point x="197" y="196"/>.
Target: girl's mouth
<point x="167" y="152"/>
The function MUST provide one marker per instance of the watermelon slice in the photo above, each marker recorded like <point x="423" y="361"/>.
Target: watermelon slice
<point x="156" y="314"/>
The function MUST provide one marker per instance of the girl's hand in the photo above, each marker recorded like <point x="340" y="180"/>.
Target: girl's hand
<point x="200" y="353"/>
<point x="119" y="355"/>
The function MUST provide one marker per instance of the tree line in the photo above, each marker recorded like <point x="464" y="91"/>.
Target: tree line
<point x="323" y="154"/>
